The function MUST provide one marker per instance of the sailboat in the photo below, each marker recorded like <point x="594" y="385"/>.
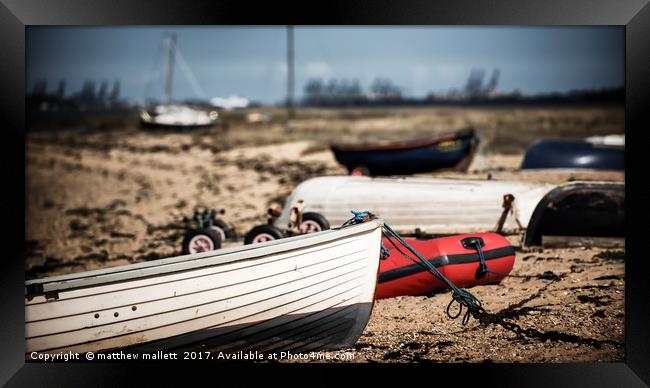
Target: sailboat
<point x="174" y="115"/>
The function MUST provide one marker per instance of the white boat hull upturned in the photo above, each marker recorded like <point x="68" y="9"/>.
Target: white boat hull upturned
<point x="432" y="205"/>
<point x="303" y="293"/>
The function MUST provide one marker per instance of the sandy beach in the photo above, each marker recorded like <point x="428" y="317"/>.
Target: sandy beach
<point x="99" y="198"/>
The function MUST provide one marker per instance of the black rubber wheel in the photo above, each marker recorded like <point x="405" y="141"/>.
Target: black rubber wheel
<point x="262" y="233"/>
<point x="313" y="222"/>
<point x="201" y="240"/>
<point x="224" y="230"/>
<point x="360" y="171"/>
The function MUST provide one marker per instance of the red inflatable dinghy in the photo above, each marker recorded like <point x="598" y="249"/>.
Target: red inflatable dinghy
<point x="456" y="257"/>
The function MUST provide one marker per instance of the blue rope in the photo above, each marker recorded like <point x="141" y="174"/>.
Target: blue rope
<point x="359" y="217"/>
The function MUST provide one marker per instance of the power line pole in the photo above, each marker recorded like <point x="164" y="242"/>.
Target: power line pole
<point x="290" y="74"/>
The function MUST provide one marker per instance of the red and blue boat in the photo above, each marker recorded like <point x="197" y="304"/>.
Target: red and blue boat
<point x="450" y="151"/>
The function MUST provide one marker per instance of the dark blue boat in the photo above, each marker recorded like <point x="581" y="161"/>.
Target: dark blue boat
<point x="584" y="209"/>
<point x="450" y="151"/>
<point x="574" y="154"/>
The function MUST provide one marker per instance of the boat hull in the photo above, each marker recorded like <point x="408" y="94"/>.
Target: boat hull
<point x="327" y="329"/>
<point x="176" y="117"/>
<point x="398" y="275"/>
<point x="165" y="126"/>
<point x="445" y="152"/>
<point x="414" y="205"/>
<point x="302" y="293"/>
<point x="579" y="209"/>
<point x="566" y="154"/>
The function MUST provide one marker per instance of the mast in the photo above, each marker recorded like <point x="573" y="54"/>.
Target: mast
<point x="290" y="110"/>
<point x="171" y="47"/>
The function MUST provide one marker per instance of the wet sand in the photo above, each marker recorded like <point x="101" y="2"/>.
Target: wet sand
<point x="97" y="199"/>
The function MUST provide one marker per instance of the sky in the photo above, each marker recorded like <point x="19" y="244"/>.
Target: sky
<point x="252" y="61"/>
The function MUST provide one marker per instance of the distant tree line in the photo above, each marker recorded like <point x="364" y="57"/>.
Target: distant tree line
<point x="574" y="97"/>
<point x="477" y="90"/>
<point x="337" y="92"/>
<point x="88" y="98"/>
<point x="88" y="92"/>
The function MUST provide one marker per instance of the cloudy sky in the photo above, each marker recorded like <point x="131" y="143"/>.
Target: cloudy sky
<point x="251" y="61"/>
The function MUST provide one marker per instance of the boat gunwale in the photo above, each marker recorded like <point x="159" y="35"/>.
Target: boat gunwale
<point x="465" y="133"/>
<point x="190" y="262"/>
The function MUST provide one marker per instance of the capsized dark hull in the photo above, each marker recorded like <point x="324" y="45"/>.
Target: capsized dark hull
<point x="452" y="151"/>
<point x="574" y="154"/>
<point x="580" y="209"/>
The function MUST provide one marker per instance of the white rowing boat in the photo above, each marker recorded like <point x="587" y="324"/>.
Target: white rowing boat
<point x="302" y="293"/>
<point x="432" y="205"/>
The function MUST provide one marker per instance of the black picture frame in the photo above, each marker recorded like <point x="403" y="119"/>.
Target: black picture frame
<point x="15" y="15"/>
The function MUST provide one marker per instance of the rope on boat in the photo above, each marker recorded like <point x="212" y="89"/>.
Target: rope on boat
<point x="483" y="269"/>
<point x="360" y="217"/>
<point x="459" y="295"/>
